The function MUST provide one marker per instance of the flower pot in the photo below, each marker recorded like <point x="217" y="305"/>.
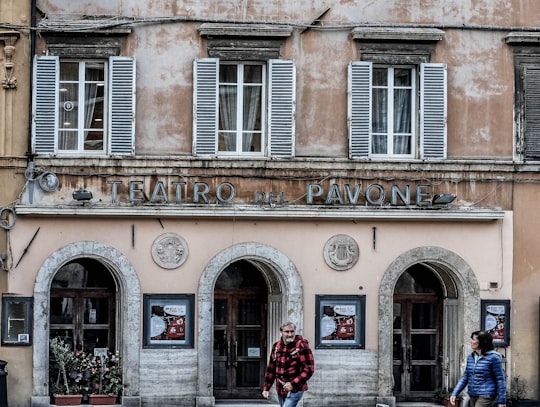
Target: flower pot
<point x="67" y="399"/>
<point x="101" y="399"/>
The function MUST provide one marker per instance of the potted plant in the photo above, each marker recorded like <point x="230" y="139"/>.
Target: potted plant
<point x="65" y="388"/>
<point x="106" y="379"/>
<point x="442" y="395"/>
<point x="518" y="392"/>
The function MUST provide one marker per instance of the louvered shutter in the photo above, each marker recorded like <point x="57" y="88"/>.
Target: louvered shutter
<point x="205" y="106"/>
<point x="44" y="101"/>
<point x="122" y="105"/>
<point x="433" y="111"/>
<point x="281" y="107"/>
<point x="359" y="108"/>
<point x="532" y="113"/>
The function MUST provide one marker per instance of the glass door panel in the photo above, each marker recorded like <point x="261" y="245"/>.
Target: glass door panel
<point x="238" y="344"/>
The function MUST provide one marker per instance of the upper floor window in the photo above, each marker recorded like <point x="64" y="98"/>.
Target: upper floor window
<point x="244" y="96"/>
<point x="241" y="113"/>
<point x="527" y="94"/>
<point x="396" y="98"/>
<point x="81" y="113"/>
<point x="393" y="104"/>
<point x="83" y="106"/>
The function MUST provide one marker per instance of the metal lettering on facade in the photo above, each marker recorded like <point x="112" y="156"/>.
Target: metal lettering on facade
<point x="179" y="192"/>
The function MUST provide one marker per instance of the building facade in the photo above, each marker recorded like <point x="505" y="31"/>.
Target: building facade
<point x="15" y="68"/>
<point x="203" y="172"/>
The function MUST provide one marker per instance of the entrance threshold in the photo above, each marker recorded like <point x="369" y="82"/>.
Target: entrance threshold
<point x="246" y="403"/>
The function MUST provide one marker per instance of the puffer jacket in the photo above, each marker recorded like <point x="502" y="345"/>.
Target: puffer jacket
<point x="485" y="377"/>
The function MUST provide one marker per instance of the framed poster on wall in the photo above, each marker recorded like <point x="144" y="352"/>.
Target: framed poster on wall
<point x="168" y="320"/>
<point x="17" y="320"/>
<point x="340" y="321"/>
<point x="495" y="319"/>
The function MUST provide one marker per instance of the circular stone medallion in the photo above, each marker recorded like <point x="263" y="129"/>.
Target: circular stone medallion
<point x="169" y="250"/>
<point x="341" y="252"/>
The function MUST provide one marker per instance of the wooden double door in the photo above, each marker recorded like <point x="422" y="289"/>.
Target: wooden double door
<point x="83" y="317"/>
<point x="239" y="343"/>
<point x="417" y="346"/>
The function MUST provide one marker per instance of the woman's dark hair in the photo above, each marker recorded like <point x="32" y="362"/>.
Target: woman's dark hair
<point x="485" y="340"/>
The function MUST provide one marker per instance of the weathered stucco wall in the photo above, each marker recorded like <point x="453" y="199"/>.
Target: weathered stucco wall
<point x="480" y="67"/>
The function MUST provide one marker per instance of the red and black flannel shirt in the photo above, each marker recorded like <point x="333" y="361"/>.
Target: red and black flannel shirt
<point x="292" y="363"/>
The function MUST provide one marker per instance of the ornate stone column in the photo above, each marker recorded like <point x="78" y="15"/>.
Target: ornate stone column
<point x="9" y="38"/>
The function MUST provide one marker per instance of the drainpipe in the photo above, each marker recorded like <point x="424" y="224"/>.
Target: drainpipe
<point x="32" y="37"/>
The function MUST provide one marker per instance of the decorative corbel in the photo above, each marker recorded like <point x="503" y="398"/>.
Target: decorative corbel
<point x="9" y="38"/>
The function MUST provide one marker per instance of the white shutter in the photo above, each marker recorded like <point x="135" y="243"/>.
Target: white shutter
<point x="532" y="113"/>
<point x="44" y="100"/>
<point x="122" y="105"/>
<point x="359" y="108"/>
<point x="433" y="111"/>
<point x="205" y="105"/>
<point x="281" y="108"/>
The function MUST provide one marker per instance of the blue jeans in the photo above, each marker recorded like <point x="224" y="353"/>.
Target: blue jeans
<point x="291" y="400"/>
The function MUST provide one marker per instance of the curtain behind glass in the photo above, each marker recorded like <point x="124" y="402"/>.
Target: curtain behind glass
<point x="93" y="114"/>
<point x="68" y="107"/>
<point x="252" y="106"/>
<point x="227" y="107"/>
<point x="402" y="111"/>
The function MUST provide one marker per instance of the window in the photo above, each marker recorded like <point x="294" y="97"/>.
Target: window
<point x="241" y="93"/>
<point x="237" y="108"/>
<point x="527" y="94"/>
<point x="244" y="94"/>
<point x="392" y="123"/>
<point x="83" y="106"/>
<point x="396" y="98"/>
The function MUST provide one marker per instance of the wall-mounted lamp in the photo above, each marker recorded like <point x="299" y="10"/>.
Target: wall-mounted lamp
<point x="443" y="199"/>
<point x="82" y="195"/>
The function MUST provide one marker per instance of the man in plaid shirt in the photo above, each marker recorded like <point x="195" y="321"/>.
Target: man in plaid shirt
<point x="291" y="365"/>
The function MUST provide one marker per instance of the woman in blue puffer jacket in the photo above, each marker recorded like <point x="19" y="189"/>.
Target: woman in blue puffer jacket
<point x="483" y="374"/>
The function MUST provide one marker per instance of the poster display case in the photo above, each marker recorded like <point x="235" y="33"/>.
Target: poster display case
<point x="340" y="321"/>
<point x="168" y="320"/>
<point x="495" y="319"/>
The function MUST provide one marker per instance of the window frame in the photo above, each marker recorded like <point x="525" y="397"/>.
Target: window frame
<point x="120" y="103"/>
<point x="240" y="131"/>
<point x="430" y="116"/>
<point x="280" y="106"/>
<point x="390" y="134"/>
<point x="81" y="129"/>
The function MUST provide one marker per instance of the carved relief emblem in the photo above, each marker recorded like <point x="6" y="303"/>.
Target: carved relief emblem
<point x="170" y="250"/>
<point x="341" y="252"/>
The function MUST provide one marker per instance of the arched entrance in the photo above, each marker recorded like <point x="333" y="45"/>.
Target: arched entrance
<point x="417" y="334"/>
<point x="460" y="294"/>
<point x="83" y="306"/>
<point x="284" y="301"/>
<point x="240" y="299"/>
<point x="127" y="297"/>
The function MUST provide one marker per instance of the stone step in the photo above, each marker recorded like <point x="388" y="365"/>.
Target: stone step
<point x="246" y="403"/>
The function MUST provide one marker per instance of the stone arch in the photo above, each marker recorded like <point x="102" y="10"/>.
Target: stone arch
<point x="285" y="302"/>
<point x="129" y="296"/>
<point x="462" y="293"/>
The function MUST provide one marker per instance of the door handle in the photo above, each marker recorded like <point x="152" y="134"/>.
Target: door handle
<point x="403" y="361"/>
<point x="409" y="351"/>
<point x="235" y="354"/>
<point x="228" y="353"/>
